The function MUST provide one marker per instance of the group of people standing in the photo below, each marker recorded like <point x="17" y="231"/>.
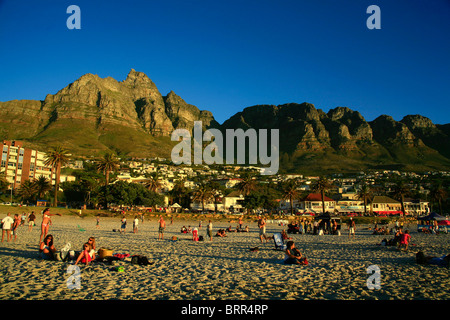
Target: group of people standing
<point x="10" y="224"/>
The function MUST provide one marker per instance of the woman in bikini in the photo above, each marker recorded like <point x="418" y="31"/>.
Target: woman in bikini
<point x="46" y="222"/>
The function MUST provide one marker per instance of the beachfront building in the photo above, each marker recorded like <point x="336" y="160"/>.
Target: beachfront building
<point x="416" y="207"/>
<point x="312" y="203"/>
<point x="20" y="164"/>
<point x="230" y="203"/>
<point x="385" y="205"/>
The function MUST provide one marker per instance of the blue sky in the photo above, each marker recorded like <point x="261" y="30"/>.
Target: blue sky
<point x="224" y="56"/>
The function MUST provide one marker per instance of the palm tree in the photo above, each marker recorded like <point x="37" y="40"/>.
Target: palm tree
<point x="364" y="193"/>
<point x="247" y="185"/>
<point x="438" y="194"/>
<point x="291" y="192"/>
<point x="109" y="163"/>
<point x="322" y="186"/>
<point x="400" y="190"/>
<point x="42" y="185"/>
<point x="57" y="158"/>
<point x="153" y="183"/>
<point x="202" y="193"/>
<point x="27" y="190"/>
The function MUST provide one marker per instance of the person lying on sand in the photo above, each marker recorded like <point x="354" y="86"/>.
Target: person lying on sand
<point x="443" y="261"/>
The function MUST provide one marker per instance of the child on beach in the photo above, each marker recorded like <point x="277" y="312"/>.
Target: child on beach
<point x="405" y="238"/>
<point x="15" y="226"/>
<point x="123" y="225"/>
<point x="84" y="256"/>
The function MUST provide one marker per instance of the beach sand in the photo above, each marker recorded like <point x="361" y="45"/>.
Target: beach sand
<point x="223" y="269"/>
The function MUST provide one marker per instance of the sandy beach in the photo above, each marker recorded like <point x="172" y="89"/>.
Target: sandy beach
<point x="223" y="269"/>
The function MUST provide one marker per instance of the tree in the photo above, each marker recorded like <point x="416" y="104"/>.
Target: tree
<point x="57" y="158"/>
<point x="438" y="194"/>
<point x="42" y="186"/>
<point x="322" y="186"/>
<point x="247" y="185"/>
<point x="27" y="191"/>
<point x="109" y="163"/>
<point x="364" y="193"/>
<point x="202" y="194"/>
<point x="153" y="183"/>
<point x="291" y="192"/>
<point x="401" y="190"/>
<point x="180" y="194"/>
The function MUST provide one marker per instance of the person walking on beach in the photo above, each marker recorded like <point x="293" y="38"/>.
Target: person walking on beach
<point x="405" y="238"/>
<point x="97" y="225"/>
<point x="209" y="230"/>
<point x="46" y="222"/>
<point x="23" y="218"/>
<point x="262" y="229"/>
<point x="351" y="228"/>
<point x="31" y="219"/>
<point x="135" y="224"/>
<point x="162" y="227"/>
<point x="123" y="225"/>
<point x="15" y="226"/>
<point x="7" y="223"/>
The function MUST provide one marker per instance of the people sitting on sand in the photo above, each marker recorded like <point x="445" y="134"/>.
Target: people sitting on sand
<point x="230" y="229"/>
<point x="443" y="261"/>
<point x="221" y="233"/>
<point x="47" y="249"/>
<point x="293" y="255"/>
<point x="84" y="256"/>
<point x="184" y="230"/>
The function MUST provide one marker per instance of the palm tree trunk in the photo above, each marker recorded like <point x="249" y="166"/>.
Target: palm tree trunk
<point x="403" y="207"/>
<point x="58" y="172"/>
<point x="323" y="201"/>
<point x="292" y="205"/>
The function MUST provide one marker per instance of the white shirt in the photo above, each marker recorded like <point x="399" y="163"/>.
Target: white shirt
<point x="7" y="222"/>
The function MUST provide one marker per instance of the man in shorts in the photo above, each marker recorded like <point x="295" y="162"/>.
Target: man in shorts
<point x="351" y="228"/>
<point x="31" y="219"/>
<point x="7" y="223"/>
<point x="162" y="226"/>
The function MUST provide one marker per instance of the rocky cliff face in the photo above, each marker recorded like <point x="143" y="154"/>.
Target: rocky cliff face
<point x="342" y="137"/>
<point x="94" y="114"/>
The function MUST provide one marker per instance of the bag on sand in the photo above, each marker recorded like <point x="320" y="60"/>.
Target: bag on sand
<point x="140" y="260"/>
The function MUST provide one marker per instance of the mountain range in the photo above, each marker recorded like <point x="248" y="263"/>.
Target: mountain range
<point x="132" y="118"/>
